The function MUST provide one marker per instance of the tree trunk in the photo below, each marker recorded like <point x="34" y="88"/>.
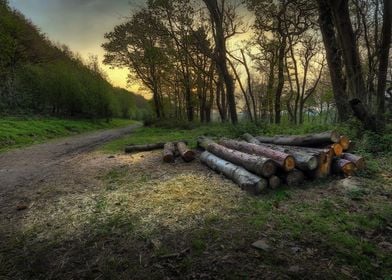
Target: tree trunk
<point x="357" y="160"/>
<point x="293" y="178"/>
<point x="259" y="165"/>
<point x="344" y="142"/>
<point x="217" y="18"/>
<point x="169" y="151"/>
<point x="274" y="182"/>
<point x="336" y="148"/>
<point x="143" y="148"/>
<point x="334" y="59"/>
<point x="246" y="180"/>
<point x="369" y="121"/>
<point x="324" y="165"/>
<point x="188" y="101"/>
<point x="310" y="140"/>
<point x="304" y="160"/>
<point x="384" y="58"/>
<point x="148" y="147"/>
<point x="186" y="154"/>
<point x="279" y="90"/>
<point x="283" y="160"/>
<point x="270" y="89"/>
<point x="347" y="42"/>
<point x="342" y="166"/>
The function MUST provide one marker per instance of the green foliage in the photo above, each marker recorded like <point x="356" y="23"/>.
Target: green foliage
<point x="16" y="132"/>
<point x="38" y="77"/>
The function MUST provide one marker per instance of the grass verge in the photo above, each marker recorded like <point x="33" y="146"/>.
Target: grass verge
<point x="17" y="133"/>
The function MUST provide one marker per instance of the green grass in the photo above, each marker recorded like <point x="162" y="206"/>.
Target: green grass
<point x="17" y="133"/>
<point x="148" y="135"/>
<point x="146" y="209"/>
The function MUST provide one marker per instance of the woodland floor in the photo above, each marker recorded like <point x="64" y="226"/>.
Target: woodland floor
<point x="105" y="215"/>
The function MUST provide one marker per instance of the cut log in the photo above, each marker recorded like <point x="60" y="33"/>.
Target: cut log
<point x="293" y="178"/>
<point x="304" y="160"/>
<point x="186" y="154"/>
<point x="310" y="140"/>
<point x="324" y="165"/>
<point x="169" y="151"/>
<point x="345" y="142"/>
<point x="143" y="148"/>
<point x="148" y="147"/>
<point x="259" y="165"/>
<point x="285" y="161"/>
<point x="251" y="139"/>
<point x="274" y="182"/>
<point x="357" y="160"/>
<point x="323" y="156"/>
<point x="337" y="149"/>
<point x="246" y="180"/>
<point x="203" y="142"/>
<point x="343" y="166"/>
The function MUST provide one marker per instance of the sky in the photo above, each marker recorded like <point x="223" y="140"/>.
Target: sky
<point x="80" y="24"/>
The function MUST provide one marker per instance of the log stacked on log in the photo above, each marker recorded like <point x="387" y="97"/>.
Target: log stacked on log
<point x="280" y="159"/>
<point x="259" y="165"/>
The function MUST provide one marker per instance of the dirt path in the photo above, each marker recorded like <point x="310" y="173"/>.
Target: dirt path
<point x="23" y="168"/>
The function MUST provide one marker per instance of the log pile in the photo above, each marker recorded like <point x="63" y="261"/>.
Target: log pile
<point x="260" y="163"/>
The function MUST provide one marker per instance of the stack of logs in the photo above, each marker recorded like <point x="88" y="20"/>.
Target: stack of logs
<point x="171" y="150"/>
<point x="259" y="163"/>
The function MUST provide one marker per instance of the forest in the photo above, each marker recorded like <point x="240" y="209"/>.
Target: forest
<point x="38" y="77"/>
<point x="259" y="60"/>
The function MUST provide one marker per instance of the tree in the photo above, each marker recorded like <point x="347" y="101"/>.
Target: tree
<point x="218" y="16"/>
<point x="138" y="45"/>
<point x="339" y="36"/>
<point x="384" y="59"/>
<point x="334" y="59"/>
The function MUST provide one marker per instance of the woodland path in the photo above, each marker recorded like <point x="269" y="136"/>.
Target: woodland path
<point x="24" y="168"/>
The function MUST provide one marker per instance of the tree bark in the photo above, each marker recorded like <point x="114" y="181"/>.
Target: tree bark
<point x="279" y="90"/>
<point x="169" y="151"/>
<point x="336" y="148"/>
<point x="246" y="180"/>
<point x="304" y="160"/>
<point x="342" y="166"/>
<point x="293" y="178"/>
<point x="283" y="160"/>
<point x="316" y="139"/>
<point x="148" y="147"/>
<point x="334" y="59"/>
<point x="274" y="182"/>
<point x="368" y="120"/>
<point x="270" y="89"/>
<point x="341" y="17"/>
<point x="386" y="34"/>
<point x="357" y="160"/>
<point x="344" y="142"/>
<point x="217" y="18"/>
<point x="324" y="165"/>
<point x="143" y="148"/>
<point x="259" y="165"/>
<point x="186" y="154"/>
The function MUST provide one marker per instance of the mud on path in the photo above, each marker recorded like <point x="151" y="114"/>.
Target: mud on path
<point x="22" y="170"/>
